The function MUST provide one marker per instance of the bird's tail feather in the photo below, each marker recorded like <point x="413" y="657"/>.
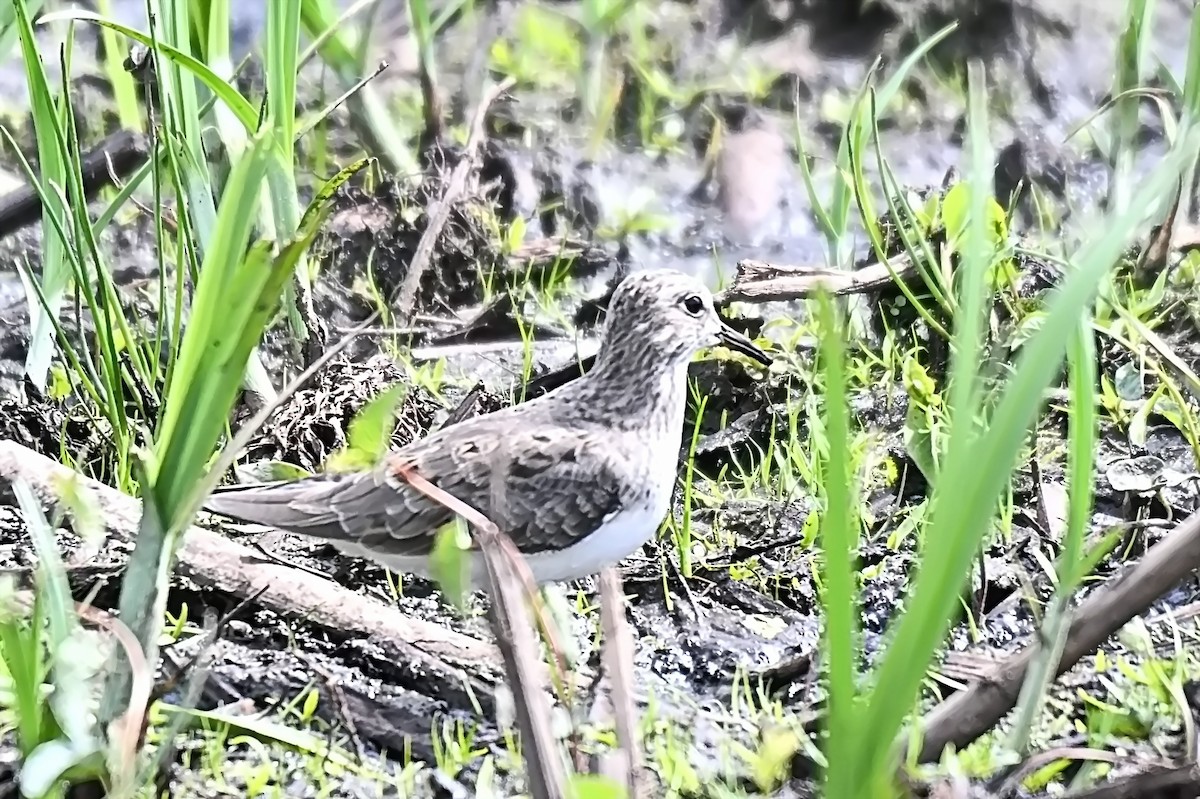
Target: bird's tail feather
<point x="313" y="506"/>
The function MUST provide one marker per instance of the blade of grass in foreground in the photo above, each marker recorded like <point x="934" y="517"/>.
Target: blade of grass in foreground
<point x="839" y="542"/>
<point x="235" y="291"/>
<point x="52" y="165"/>
<point x="65" y="741"/>
<point x="178" y="72"/>
<point x="978" y="466"/>
<point x="1072" y="565"/>
<point x="1131" y="55"/>
<point x="283" y="47"/>
<point x="971" y="275"/>
<point x="223" y="354"/>
<point x="850" y="770"/>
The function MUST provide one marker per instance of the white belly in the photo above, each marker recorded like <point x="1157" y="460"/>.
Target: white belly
<point x="621" y="534"/>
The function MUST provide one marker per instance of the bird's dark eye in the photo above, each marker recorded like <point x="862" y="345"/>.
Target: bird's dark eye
<point x="693" y="304"/>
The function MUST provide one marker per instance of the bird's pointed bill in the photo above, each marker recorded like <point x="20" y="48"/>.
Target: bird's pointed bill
<point x="733" y="340"/>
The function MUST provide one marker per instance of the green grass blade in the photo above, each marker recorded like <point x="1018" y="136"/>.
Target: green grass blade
<point x="56" y="271"/>
<point x="231" y="284"/>
<point x="854" y="139"/>
<point x="242" y="108"/>
<point x="53" y="588"/>
<point x="839" y="536"/>
<point x="975" y="257"/>
<point x="1073" y="564"/>
<point x="1131" y="55"/>
<point x="1191" y="79"/>
<point x="964" y="507"/>
<point x="283" y="46"/>
<point x="236" y="293"/>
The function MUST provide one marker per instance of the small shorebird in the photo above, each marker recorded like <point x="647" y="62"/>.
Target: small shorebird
<point x="587" y="470"/>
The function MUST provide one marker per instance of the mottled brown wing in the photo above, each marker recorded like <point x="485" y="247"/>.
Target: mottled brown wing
<point x="334" y="507"/>
<point x="555" y="488"/>
<point x="559" y="484"/>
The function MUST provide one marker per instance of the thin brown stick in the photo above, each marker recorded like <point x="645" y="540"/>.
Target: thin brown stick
<point x="312" y="123"/>
<point x="1039" y="760"/>
<point x="405" y="471"/>
<point x="1155" y="784"/>
<point x="513" y="626"/>
<point x="618" y="649"/>
<point x="127" y="728"/>
<point x="439" y="213"/>
<point x="967" y="715"/>
<point x="759" y="281"/>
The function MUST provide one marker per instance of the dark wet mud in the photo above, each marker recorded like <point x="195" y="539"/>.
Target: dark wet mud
<point x="751" y="609"/>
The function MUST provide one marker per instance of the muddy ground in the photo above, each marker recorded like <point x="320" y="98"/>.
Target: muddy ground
<point x="1052" y="65"/>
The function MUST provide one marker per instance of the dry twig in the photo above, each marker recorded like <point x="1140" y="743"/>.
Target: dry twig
<point x="1011" y="781"/>
<point x="968" y="714"/>
<point x="439" y="213"/>
<point x="1166" y="783"/>
<point x="618" y="648"/>
<point x="759" y="281"/>
<point x="513" y="626"/>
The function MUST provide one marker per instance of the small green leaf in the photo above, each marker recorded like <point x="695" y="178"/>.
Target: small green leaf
<point x="369" y="433"/>
<point x="596" y="786"/>
<point x="372" y="428"/>
<point x="1026" y="329"/>
<point x="87" y="517"/>
<point x="449" y="562"/>
<point x="918" y="440"/>
<point x="956" y="207"/>
<point x="774" y="757"/>
<point x="811" y="526"/>
<point x="348" y="459"/>
<point x="920" y="386"/>
<point x="310" y="704"/>
<point x="60" y="384"/>
<point x="268" y="471"/>
<point x="516" y="234"/>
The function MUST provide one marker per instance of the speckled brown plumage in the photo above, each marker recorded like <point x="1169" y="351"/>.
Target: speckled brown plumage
<point x="577" y="478"/>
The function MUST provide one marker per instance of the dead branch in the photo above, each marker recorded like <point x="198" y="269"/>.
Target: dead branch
<point x="513" y="626"/>
<point x="461" y="663"/>
<point x="116" y="157"/>
<point x="618" y="650"/>
<point x="439" y="213"/>
<point x="1165" y="783"/>
<point x="759" y="281"/>
<point x="970" y="713"/>
<point x="1012" y="781"/>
